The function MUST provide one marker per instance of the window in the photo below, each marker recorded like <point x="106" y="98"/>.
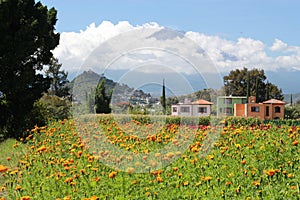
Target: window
<point x="185" y="109"/>
<point x="244" y="101"/>
<point x="254" y="109"/>
<point x="202" y="109"/>
<point x="227" y="101"/>
<point x="174" y="109"/>
<point x="277" y="109"/>
<point x="228" y="110"/>
<point x="267" y="111"/>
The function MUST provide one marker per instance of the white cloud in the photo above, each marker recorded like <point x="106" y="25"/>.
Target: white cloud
<point x="278" y="45"/>
<point x="226" y="54"/>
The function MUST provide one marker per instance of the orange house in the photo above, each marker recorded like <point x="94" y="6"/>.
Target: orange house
<point x="267" y="110"/>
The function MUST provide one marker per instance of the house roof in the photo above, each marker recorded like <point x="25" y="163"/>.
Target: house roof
<point x="202" y="102"/>
<point x="274" y="101"/>
<point x="232" y="97"/>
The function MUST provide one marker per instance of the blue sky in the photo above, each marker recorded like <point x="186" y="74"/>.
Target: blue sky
<point x="259" y="19"/>
<point x="261" y="34"/>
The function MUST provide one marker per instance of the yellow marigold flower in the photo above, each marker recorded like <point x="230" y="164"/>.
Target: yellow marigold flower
<point x="67" y="197"/>
<point x="256" y="183"/>
<point x="290" y="175"/>
<point x="175" y="169"/>
<point x="206" y="178"/>
<point x="42" y="148"/>
<point x="147" y="194"/>
<point x="186" y="183"/>
<point x="18" y="187"/>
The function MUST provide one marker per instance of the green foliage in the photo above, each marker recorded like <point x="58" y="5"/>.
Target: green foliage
<point x="292" y="112"/>
<point x="27" y="37"/>
<point x="102" y="100"/>
<point x="236" y="84"/>
<point x="242" y="121"/>
<point x="59" y="81"/>
<point x="49" y="108"/>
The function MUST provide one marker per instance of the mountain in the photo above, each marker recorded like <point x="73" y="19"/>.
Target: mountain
<point x="86" y="82"/>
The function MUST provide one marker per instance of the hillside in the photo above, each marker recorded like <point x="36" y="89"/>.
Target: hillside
<point x="86" y="82"/>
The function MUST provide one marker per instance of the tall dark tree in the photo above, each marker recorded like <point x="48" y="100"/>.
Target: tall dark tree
<point x="27" y="36"/>
<point x="102" y="100"/>
<point x="236" y="84"/>
<point x="59" y="79"/>
<point x="256" y="90"/>
<point x="163" y="98"/>
<point x="248" y="86"/>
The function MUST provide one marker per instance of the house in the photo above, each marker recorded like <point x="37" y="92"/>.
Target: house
<point x="198" y="108"/>
<point x="225" y="104"/>
<point x="267" y="110"/>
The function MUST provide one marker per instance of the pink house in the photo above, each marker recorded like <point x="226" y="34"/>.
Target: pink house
<point x="198" y="108"/>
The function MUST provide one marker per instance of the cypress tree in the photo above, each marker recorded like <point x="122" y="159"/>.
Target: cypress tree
<point x="163" y="98"/>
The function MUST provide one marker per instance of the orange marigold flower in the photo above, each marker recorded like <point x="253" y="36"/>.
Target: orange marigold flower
<point x="175" y="169"/>
<point x="271" y="172"/>
<point x="228" y="183"/>
<point x="159" y="179"/>
<point x="244" y="162"/>
<point x="130" y="170"/>
<point x="8" y="158"/>
<point x="157" y="172"/>
<point x="112" y="174"/>
<point x="94" y="198"/>
<point x="3" y="168"/>
<point x="25" y="198"/>
<point x="69" y="180"/>
<point x="295" y="143"/>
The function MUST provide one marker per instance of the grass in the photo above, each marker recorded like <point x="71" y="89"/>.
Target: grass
<point x="10" y="156"/>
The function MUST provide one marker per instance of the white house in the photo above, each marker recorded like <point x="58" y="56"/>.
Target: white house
<point x="199" y="108"/>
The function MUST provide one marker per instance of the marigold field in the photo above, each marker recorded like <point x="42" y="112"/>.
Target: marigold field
<point x="70" y="160"/>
